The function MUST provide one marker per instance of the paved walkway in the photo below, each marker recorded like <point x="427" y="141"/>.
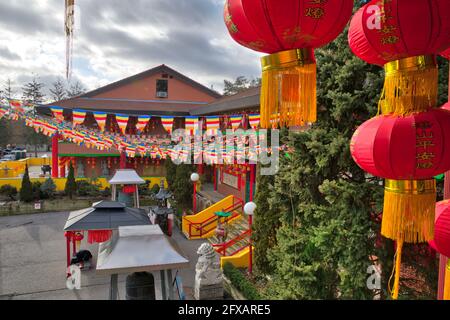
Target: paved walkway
<point x="33" y="261"/>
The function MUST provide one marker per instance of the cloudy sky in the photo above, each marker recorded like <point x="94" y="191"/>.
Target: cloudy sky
<point x="116" y="39"/>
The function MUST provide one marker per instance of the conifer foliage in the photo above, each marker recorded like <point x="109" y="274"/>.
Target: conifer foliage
<point x="26" y="191"/>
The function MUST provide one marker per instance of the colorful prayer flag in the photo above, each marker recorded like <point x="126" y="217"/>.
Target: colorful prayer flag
<point x="254" y="120"/>
<point x="122" y="121"/>
<point x="142" y="123"/>
<point x="100" y="118"/>
<point x="191" y="125"/>
<point x="78" y="116"/>
<point x="167" y="123"/>
<point x="236" y="121"/>
<point x="212" y="124"/>
<point x="58" y="113"/>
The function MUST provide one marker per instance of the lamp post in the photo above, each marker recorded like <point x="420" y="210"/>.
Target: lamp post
<point x="194" y="178"/>
<point x="249" y="210"/>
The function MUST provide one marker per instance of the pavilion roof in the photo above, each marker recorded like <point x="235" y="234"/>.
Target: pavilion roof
<point x="126" y="176"/>
<point x="105" y="215"/>
<point x="139" y="249"/>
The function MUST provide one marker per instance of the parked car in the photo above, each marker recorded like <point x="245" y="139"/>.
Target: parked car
<point x="8" y="157"/>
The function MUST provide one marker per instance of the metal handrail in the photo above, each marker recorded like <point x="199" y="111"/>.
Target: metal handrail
<point x="199" y="226"/>
<point x="230" y="243"/>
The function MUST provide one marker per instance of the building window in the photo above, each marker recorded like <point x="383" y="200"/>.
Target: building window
<point x="162" y="88"/>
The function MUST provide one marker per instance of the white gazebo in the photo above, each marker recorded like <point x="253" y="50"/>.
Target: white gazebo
<point x="126" y="177"/>
<point x="141" y="249"/>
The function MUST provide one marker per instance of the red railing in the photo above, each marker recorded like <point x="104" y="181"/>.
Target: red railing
<point x="201" y="227"/>
<point x="221" y="248"/>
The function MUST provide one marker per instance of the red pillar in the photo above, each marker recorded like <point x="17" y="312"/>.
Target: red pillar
<point x="252" y="180"/>
<point x="68" y="248"/>
<point x="250" y="261"/>
<point x="215" y="177"/>
<point x="62" y="171"/>
<point x="443" y="259"/>
<point x="194" y="199"/>
<point x="55" y="160"/>
<point x="123" y="160"/>
<point x="74" y="245"/>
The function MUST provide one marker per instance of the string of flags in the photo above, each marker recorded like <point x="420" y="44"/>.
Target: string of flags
<point x="192" y="123"/>
<point x="155" y="147"/>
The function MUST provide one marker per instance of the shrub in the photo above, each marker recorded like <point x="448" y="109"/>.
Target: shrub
<point x="155" y="188"/>
<point x="144" y="188"/>
<point x="71" y="185"/>
<point x="48" y="189"/>
<point x="9" y="191"/>
<point x="106" y="192"/>
<point x="171" y="172"/>
<point x="241" y="282"/>
<point x="37" y="194"/>
<point x="87" y="189"/>
<point x="183" y="187"/>
<point x="26" y="191"/>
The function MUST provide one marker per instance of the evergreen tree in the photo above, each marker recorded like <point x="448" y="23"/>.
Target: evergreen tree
<point x="182" y="187"/>
<point x="240" y="84"/>
<point x="171" y="172"/>
<point x="443" y="81"/>
<point x="75" y="90"/>
<point x="26" y="192"/>
<point x="325" y="201"/>
<point x="7" y="91"/>
<point x="32" y="92"/>
<point x="58" y="91"/>
<point x="71" y="185"/>
<point x="265" y="224"/>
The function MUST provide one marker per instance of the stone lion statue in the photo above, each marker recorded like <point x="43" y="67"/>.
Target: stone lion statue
<point x="208" y="266"/>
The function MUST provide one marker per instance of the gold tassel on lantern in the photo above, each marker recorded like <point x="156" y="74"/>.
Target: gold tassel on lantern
<point x="288" y="93"/>
<point x="408" y="216"/>
<point x="447" y="282"/>
<point x="409" y="210"/>
<point x="411" y="85"/>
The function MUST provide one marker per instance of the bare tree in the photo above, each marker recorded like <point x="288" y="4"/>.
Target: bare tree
<point x="76" y="89"/>
<point x="32" y="91"/>
<point x="58" y="91"/>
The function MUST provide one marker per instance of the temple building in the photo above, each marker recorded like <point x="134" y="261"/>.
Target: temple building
<point x="159" y="92"/>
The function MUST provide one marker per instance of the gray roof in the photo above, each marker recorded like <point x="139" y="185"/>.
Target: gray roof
<point x="126" y="176"/>
<point x="139" y="249"/>
<point x="106" y="215"/>
<point x="247" y="99"/>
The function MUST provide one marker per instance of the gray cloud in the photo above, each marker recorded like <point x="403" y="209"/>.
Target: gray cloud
<point x="118" y="37"/>
<point x="8" y="54"/>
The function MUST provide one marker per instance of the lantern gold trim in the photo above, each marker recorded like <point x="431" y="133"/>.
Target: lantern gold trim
<point x="409" y="210"/>
<point x="411" y="86"/>
<point x="288" y="90"/>
<point x="447" y="282"/>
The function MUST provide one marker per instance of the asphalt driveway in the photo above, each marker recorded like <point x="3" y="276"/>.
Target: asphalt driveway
<point x="33" y="261"/>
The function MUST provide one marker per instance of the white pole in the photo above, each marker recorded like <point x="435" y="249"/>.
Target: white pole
<point x="137" y="197"/>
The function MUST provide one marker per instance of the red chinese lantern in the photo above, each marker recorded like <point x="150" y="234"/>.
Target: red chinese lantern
<point x="129" y="189"/>
<point x="404" y="36"/>
<point x="288" y="31"/>
<point x="441" y="241"/>
<point x="99" y="236"/>
<point x="77" y="237"/>
<point x="404" y="148"/>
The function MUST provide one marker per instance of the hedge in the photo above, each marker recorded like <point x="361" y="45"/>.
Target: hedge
<point x="241" y="282"/>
